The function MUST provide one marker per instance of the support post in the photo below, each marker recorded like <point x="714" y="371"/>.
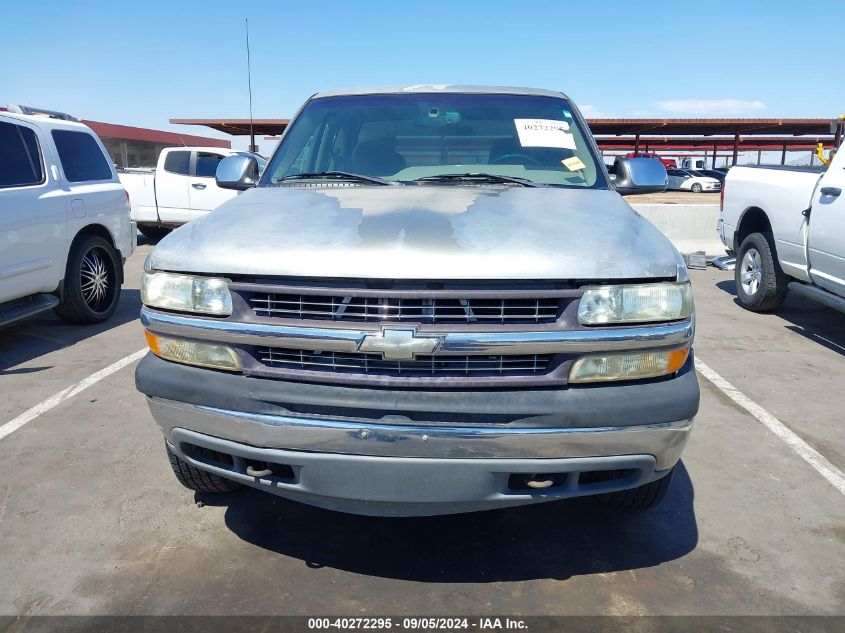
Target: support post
<point x="783" y="155"/>
<point x="736" y="149"/>
<point x="636" y="144"/>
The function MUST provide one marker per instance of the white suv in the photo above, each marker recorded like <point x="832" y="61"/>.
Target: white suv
<point x="65" y="229"/>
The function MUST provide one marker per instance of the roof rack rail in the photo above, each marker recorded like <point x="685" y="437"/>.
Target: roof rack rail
<point x="53" y="114"/>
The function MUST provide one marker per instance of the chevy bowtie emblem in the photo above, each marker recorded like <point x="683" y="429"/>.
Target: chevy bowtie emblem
<point x="399" y="344"/>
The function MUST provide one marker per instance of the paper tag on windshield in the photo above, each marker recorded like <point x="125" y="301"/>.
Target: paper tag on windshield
<point x="544" y="133"/>
<point x="573" y="164"/>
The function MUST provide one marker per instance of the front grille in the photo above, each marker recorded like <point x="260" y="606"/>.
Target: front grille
<point x="418" y="310"/>
<point x="374" y="364"/>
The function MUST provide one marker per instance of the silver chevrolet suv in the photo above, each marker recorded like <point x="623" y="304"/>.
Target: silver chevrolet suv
<point x="433" y="300"/>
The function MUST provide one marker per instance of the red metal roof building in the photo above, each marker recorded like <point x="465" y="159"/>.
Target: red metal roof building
<point x="139" y="147"/>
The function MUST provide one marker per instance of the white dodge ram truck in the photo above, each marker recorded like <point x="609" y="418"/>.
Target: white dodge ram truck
<point x="180" y="189"/>
<point x="64" y="219"/>
<point x="787" y="228"/>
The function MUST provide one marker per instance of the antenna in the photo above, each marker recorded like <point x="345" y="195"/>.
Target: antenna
<point x="252" y="146"/>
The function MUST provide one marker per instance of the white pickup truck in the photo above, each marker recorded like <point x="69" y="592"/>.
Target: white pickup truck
<point x="787" y="228"/>
<point x="182" y="188"/>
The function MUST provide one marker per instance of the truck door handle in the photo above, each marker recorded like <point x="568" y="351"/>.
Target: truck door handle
<point x="831" y="191"/>
<point x="198" y="185"/>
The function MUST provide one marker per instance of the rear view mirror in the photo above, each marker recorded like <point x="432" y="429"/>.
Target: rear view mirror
<point x="237" y="172"/>
<point x="639" y="175"/>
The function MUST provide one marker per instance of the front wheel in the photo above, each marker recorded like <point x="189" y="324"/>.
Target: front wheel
<point x="196" y="479"/>
<point x="761" y="285"/>
<point x="643" y="497"/>
<point x="696" y="188"/>
<point x="91" y="287"/>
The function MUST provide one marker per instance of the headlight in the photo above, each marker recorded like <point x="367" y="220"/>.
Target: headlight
<point x="194" y="352"/>
<point x="642" y="303"/>
<point x="632" y="366"/>
<point x="187" y="293"/>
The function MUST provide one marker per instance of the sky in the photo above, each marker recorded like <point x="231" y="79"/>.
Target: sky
<point x="143" y="63"/>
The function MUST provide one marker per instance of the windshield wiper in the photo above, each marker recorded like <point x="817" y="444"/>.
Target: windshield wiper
<point x="479" y="177"/>
<point x="337" y="175"/>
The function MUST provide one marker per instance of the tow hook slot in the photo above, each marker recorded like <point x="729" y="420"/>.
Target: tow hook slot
<point x="254" y="471"/>
<point x="538" y="482"/>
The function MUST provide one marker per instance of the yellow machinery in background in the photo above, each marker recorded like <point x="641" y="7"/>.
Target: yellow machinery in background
<point x="836" y="128"/>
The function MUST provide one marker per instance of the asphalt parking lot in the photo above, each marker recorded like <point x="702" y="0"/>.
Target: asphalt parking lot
<point x="92" y="521"/>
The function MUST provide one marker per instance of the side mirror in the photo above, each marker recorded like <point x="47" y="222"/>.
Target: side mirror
<point x="237" y="172"/>
<point x="639" y="175"/>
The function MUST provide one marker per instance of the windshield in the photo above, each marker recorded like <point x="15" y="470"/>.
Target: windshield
<point x="405" y="137"/>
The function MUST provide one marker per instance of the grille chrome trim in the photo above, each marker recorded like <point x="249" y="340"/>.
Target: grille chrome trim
<point x="423" y="366"/>
<point x="599" y="339"/>
<point x="454" y="309"/>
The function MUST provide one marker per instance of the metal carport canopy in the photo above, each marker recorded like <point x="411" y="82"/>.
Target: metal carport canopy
<point x="709" y="127"/>
<point x="600" y="127"/>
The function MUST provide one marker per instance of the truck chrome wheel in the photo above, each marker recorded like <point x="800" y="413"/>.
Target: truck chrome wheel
<point x="96" y="280"/>
<point x="751" y="272"/>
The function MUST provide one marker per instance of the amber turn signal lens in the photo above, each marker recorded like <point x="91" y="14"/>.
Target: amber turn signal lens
<point x="152" y="342"/>
<point x="677" y="359"/>
<point x="630" y="366"/>
<point x="210" y="355"/>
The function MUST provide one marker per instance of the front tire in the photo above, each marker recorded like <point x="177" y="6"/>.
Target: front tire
<point x="91" y="287"/>
<point x="696" y="188"/>
<point x="643" y="497"/>
<point x="761" y="285"/>
<point x="196" y="479"/>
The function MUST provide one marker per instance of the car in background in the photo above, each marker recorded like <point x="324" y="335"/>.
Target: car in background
<point x="691" y="180"/>
<point x="714" y="173"/>
<point x="180" y="189"/>
<point x="64" y="219"/>
<point x="696" y="163"/>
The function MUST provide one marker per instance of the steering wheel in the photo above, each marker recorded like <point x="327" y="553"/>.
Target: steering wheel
<point x="523" y="157"/>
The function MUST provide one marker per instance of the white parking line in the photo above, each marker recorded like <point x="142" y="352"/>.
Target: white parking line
<point x="793" y="441"/>
<point x="70" y="392"/>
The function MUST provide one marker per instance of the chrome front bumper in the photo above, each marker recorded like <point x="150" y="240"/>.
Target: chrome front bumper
<point x="664" y="441"/>
<point x="396" y="470"/>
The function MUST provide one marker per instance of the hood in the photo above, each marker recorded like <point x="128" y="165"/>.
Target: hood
<point x="422" y="232"/>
